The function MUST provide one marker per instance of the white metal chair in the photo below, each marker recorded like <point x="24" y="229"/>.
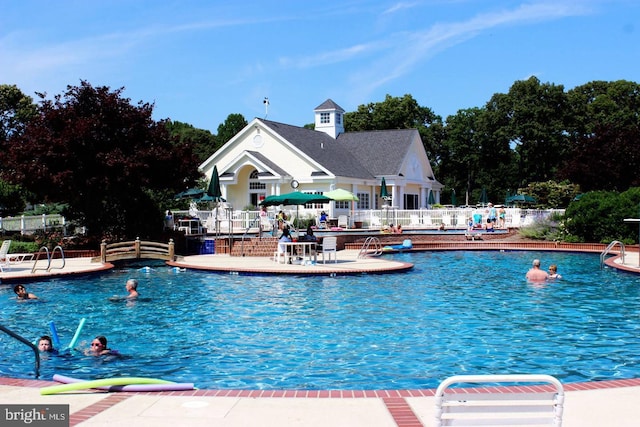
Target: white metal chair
<point x="496" y="405"/>
<point x="329" y="246"/>
<point x="4" y="251"/>
<point x="343" y="221"/>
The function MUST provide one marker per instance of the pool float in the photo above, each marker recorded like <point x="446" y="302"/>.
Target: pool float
<point x="74" y="340"/>
<point x="112" y="383"/>
<point x="406" y="245"/>
<point x="54" y="335"/>
<point x="166" y="386"/>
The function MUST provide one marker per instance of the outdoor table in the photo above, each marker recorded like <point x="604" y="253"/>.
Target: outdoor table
<point x="291" y="247"/>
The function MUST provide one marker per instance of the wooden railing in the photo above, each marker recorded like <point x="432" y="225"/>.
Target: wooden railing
<point x="137" y="249"/>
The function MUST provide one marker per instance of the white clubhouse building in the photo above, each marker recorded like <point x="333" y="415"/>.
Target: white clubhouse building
<point x="270" y="158"/>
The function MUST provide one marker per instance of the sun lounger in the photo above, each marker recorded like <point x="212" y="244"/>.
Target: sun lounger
<point x="539" y="403"/>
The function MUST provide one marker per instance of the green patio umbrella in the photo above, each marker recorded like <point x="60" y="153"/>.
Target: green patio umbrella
<point x="342" y="195"/>
<point x="296" y="198"/>
<point x="191" y="193"/>
<point x="484" y="200"/>
<point x="432" y="199"/>
<point x="520" y="198"/>
<point x="214" y="186"/>
<point x="384" y="193"/>
<point x="454" y="201"/>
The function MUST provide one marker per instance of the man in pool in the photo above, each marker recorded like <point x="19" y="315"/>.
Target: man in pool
<point x="22" y="294"/>
<point x="132" y="288"/>
<point x="535" y="274"/>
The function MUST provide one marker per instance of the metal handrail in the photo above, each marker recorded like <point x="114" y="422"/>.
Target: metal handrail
<point x="245" y="233"/>
<point x="37" y="258"/>
<point x="608" y="249"/>
<point x="30" y="344"/>
<point x="61" y="256"/>
<point x="366" y="246"/>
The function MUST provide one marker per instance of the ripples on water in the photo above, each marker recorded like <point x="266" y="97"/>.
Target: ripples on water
<point x="455" y="313"/>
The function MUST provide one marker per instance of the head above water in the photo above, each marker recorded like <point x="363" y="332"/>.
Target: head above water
<point x="132" y="284"/>
<point x="536" y="263"/>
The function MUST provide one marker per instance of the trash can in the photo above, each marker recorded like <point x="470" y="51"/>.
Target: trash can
<point x="208" y="247"/>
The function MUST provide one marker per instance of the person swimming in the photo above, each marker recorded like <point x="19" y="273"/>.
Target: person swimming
<point x="99" y="347"/>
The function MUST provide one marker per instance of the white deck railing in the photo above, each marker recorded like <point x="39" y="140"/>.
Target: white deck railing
<point x="373" y="219"/>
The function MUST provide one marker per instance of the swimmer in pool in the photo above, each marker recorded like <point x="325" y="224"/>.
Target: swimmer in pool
<point x="553" y="272"/>
<point x="99" y="347"/>
<point x="535" y="274"/>
<point x="132" y="289"/>
<point x="45" y="345"/>
<point x="132" y="292"/>
<point x="22" y="294"/>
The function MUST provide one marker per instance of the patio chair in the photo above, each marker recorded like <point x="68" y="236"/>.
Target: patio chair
<point x="329" y="246"/>
<point x="415" y="220"/>
<point x="4" y="250"/>
<point x="343" y="221"/>
<point x="497" y="405"/>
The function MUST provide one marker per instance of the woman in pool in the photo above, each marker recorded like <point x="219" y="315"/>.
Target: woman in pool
<point x="22" y="294"/>
<point x="99" y="347"/>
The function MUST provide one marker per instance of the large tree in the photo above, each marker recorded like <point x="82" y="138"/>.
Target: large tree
<point x="104" y="157"/>
<point x="231" y="126"/>
<point x="204" y="142"/>
<point x="16" y="110"/>
<point x="605" y="135"/>
<point x="533" y="116"/>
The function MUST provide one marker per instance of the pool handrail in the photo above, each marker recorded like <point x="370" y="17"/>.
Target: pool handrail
<point x="28" y="343"/>
<point x="608" y="249"/>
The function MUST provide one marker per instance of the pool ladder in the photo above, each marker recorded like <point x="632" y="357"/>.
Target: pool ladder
<point x="370" y="247"/>
<point x="49" y="259"/>
<point x="25" y="341"/>
<point x="608" y="249"/>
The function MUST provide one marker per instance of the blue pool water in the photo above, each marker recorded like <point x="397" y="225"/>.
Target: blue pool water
<point x="455" y="313"/>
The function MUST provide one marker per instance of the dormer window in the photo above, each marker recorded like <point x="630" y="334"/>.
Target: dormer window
<point x="325" y="118"/>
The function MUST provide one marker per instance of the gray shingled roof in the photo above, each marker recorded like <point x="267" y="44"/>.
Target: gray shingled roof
<point x="356" y="154"/>
<point x="329" y="105"/>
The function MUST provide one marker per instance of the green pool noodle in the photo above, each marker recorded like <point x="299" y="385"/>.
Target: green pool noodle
<point x="72" y="344"/>
<point x="100" y="383"/>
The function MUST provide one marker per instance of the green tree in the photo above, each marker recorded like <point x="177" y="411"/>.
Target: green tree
<point x="605" y="136"/>
<point x="204" y="142"/>
<point x="460" y="155"/>
<point x="231" y="126"/>
<point x="16" y="110"/>
<point x="103" y="157"/>
<point x="534" y="117"/>
<point x="598" y="216"/>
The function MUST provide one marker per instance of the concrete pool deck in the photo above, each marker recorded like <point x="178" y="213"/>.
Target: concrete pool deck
<point x="601" y="403"/>
<point x="595" y="404"/>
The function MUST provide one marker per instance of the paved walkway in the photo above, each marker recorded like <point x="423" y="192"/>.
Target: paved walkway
<point x="607" y="403"/>
<point x="598" y="404"/>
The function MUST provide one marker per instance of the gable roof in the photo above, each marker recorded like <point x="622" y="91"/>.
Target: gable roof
<point x="328" y="152"/>
<point x="365" y="155"/>
<point x="329" y="105"/>
<point x="382" y="151"/>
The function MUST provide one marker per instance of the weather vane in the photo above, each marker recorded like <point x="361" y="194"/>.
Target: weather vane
<point x="266" y="107"/>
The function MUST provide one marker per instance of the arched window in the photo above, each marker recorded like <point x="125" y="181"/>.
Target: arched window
<point x="257" y="189"/>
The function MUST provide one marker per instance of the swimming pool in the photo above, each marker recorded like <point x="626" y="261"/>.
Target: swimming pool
<point x="456" y="312"/>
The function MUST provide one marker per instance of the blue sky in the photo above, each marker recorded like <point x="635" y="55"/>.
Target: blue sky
<point x="199" y="61"/>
